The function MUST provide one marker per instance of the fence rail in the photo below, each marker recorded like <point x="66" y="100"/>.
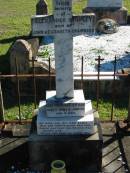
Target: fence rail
<point x="49" y="76"/>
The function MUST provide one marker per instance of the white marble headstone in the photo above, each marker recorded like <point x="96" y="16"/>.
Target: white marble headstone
<point x="68" y="117"/>
<point x="105" y="3"/>
<point x="63" y="25"/>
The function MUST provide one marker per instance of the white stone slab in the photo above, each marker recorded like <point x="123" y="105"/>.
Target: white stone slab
<point x="105" y="3"/>
<point x="65" y="125"/>
<point x="65" y="110"/>
<point x="64" y="107"/>
<point x="78" y="98"/>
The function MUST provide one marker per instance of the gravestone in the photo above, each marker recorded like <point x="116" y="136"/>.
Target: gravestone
<point x="112" y="9"/>
<point x="22" y="51"/>
<point x="34" y="42"/>
<point x="41" y="8"/>
<point x="105" y="3"/>
<point x="65" y="119"/>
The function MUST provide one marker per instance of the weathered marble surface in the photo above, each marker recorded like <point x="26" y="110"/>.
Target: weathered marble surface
<point x="78" y="98"/>
<point x="63" y="26"/>
<point x="71" y="125"/>
<point x="105" y="3"/>
<point x="65" y="107"/>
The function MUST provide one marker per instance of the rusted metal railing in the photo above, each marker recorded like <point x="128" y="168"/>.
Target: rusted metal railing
<point x="113" y="90"/>
<point x="18" y="90"/>
<point x="82" y="71"/>
<point x="1" y="105"/>
<point x="99" y="59"/>
<point x="49" y="75"/>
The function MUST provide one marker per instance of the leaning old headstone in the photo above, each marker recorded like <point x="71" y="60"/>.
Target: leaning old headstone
<point x="21" y="50"/>
<point x="112" y="9"/>
<point x="65" y="124"/>
<point x="41" y="7"/>
<point x="34" y="42"/>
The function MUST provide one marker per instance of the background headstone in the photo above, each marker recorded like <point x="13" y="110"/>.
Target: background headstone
<point x="34" y="46"/>
<point x="105" y="3"/>
<point x="112" y="9"/>
<point x="41" y="8"/>
<point x="23" y="52"/>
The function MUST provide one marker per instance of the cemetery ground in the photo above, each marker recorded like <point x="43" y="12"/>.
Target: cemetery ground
<point x="14" y="24"/>
<point x="14" y="151"/>
<point x="115" y="159"/>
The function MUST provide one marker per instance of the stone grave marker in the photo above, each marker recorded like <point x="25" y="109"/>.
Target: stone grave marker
<point x="41" y="7"/>
<point x="112" y="9"/>
<point x="105" y="3"/>
<point x="63" y="26"/>
<point x="23" y="52"/>
<point x="65" y="120"/>
<point x="67" y="108"/>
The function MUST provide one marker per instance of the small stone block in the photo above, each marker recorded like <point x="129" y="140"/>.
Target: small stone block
<point x="21" y="130"/>
<point x="7" y="130"/>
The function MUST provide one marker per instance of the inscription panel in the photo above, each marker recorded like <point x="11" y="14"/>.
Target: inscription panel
<point x="65" y="126"/>
<point x="62" y="129"/>
<point x="65" y="111"/>
<point x="83" y="24"/>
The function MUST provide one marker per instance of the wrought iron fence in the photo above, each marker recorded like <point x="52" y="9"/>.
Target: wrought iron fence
<point x="50" y="77"/>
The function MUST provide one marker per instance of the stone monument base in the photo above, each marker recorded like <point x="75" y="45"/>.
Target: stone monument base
<point x="80" y="152"/>
<point x="117" y="14"/>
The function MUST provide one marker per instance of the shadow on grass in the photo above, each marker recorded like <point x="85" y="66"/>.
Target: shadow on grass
<point x="121" y="63"/>
<point x="13" y="39"/>
<point x="4" y="63"/>
<point x="4" y="59"/>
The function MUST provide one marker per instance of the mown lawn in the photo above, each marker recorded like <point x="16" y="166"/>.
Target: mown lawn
<point x="27" y="109"/>
<point x="14" y="23"/>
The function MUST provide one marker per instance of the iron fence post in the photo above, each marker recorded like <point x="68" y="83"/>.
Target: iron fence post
<point x="1" y="105"/>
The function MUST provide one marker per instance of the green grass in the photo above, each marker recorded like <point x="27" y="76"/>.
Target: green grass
<point x="26" y="112"/>
<point x="14" y="22"/>
<point x="105" y="106"/>
<point x="127" y="5"/>
<point x="120" y="111"/>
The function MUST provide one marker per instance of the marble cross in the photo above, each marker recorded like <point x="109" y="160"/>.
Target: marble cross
<point x="63" y="25"/>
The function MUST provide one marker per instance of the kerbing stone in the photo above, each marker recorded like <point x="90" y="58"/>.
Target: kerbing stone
<point x="21" y="130"/>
